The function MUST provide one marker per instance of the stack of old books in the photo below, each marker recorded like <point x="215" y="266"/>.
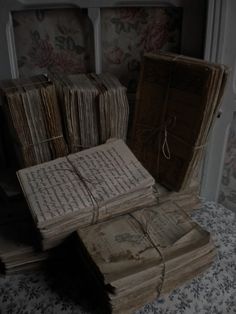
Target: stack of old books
<point x="95" y="108"/>
<point x="106" y="197"/>
<point x="143" y="253"/>
<point x="177" y="100"/>
<point x="136" y="232"/>
<point x="84" y="188"/>
<point x="34" y="119"/>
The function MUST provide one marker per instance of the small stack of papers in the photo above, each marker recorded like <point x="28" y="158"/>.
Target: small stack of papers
<point x="34" y="119"/>
<point x="84" y="188"/>
<point x="95" y="108"/>
<point x="147" y="253"/>
<point x="17" y="252"/>
<point x="187" y="199"/>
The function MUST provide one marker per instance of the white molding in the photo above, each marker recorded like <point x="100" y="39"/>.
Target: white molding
<point x="216" y="27"/>
<point x="94" y="15"/>
<point x="100" y="3"/>
<point x="11" y="48"/>
<point x="219" y="24"/>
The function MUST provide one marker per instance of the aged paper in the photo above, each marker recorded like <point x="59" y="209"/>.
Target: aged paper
<point x="82" y="181"/>
<point x="165" y="224"/>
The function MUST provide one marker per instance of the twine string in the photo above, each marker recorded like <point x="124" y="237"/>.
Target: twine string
<point x="95" y="215"/>
<point x="157" y="248"/>
<point x="43" y="141"/>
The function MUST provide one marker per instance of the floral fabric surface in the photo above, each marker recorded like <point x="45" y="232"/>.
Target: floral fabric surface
<point x="61" y="40"/>
<point x="58" y="40"/>
<point x="213" y="292"/>
<point x="227" y="195"/>
<point x="127" y="33"/>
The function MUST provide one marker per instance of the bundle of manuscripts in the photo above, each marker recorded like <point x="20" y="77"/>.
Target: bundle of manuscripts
<point x="84" y="188"/>
<point x="147" y="253"/>
<point x="90" y="110"/>
<point x="107" y="200"/>
<point x="177" y="101"/>
<point x="34" y="119"/>
<point x="95" y="108"/>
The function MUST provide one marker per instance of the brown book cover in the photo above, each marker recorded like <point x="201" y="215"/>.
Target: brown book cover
<point x="175" y="95"/>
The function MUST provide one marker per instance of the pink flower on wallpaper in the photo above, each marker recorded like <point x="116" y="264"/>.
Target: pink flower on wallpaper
<point x="42" y="54"/>
<point x="115" y="55"/>
<point x="154" y="37"/>
<point x="66" y="63"/>
<point x="130" y="15"/>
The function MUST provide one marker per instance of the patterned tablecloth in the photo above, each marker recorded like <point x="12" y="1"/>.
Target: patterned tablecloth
<point x="214" y="292"/>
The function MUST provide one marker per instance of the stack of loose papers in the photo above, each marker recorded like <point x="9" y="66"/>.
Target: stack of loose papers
<point x="147" y="253"/>
<point x="34" y="119"/>
<point x="17" y="252"/>
<point x="187" y="199"/>
<point x="95" y="108"/>
<point x="84" y="188"/>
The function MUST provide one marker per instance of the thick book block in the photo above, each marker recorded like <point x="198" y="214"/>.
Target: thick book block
<point x="84" y="188"/>
<point x="176" y="103"/>
<point x="34" y="119"/>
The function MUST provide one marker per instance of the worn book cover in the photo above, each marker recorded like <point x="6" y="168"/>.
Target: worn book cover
<point x="176" y="103"/>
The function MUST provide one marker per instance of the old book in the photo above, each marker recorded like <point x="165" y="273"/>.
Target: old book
<point x="177" y="102"/>
<point x="95" y="108"/>
<point x="83" y="188"/>
<point x="33" y="116"/>
<point x="113" y="107"/>
<point x="146" y="253"/>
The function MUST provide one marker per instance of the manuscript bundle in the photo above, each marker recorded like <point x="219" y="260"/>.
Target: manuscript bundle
<point x="84" y="188"/>
<point x="95" y="108"/>
<point x="136" y="232"/>
<point x="34" y="119"/>
<point x="177" y="100"/>
<point x="83" y="111"/>
<point x="107" y="198"/>
<point x="147" y="252"/>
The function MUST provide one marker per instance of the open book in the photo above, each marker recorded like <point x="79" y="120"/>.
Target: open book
<point x="83" y="188"/>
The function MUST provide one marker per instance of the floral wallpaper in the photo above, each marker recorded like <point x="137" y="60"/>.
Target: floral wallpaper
<point x="227" y="195"/>
<point x="129" y="32"/>
<point x="61" y="40"/>
<point x="58" y="40"/>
